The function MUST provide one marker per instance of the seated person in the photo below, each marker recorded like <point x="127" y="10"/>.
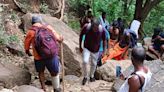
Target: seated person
<point x="156" y="33"/>
<point x="86" y="19"/>
<point x="114" y="34"/>
<point x="119" y="51"/>
<point x="121" y="28"/>
<point x="157" y="47"/>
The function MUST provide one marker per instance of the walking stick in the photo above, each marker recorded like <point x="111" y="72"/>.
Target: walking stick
<point x="62" y="61"/>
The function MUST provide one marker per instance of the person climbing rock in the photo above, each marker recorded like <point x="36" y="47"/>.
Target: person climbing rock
<point x="94" y="34"/>
<point x="43" y="39"/>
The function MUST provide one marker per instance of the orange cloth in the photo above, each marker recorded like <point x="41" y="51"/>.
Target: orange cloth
<point x="112" y="43"/>
<point x="30" y="40"/>
<point x="115" y="53"/>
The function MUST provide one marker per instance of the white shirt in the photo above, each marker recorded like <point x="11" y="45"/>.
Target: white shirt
<point x="147" y="76"/>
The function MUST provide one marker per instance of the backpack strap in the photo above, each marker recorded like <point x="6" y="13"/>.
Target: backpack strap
<point x="140" y="80"/>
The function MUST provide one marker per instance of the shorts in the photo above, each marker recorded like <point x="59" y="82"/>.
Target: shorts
<point x="52" y="65"/>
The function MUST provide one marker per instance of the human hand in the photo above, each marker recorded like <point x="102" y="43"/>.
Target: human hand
<point x="122" y="77"/>
<point x="61" y="39"/>
<point x="28" y="53"/>
<point x="81" y="50"/>
<point x="158" y="37"/>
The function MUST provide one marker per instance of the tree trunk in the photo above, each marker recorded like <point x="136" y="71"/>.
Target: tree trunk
<point x="142" y="10"/>
<point x="93" y="7"/>
<point x="62" y="10"/>
<point x="138" y="10"/>
<point x="125" y="7"/>
<point x="55" y="5"/>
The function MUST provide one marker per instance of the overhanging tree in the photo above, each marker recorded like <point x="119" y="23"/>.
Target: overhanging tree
<point x="142" y="9"/>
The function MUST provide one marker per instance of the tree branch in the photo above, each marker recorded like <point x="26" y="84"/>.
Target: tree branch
<point x="62" y="10"/>
<point x="59" y="7"/>
<point x="148" y="6"/>
<point x="17" y="4"/>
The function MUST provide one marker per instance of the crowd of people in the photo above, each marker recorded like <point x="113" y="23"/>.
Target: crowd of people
<point x="100" y="41"/>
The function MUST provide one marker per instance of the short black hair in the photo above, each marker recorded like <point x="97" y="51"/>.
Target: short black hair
<point x="138" y="54"/>
<point x="119" y="19"/>
<point x="157" y="30"/>
<point x="115" y="24"/>
<point x="103" y="13"/>
<point x="36" y="19"/>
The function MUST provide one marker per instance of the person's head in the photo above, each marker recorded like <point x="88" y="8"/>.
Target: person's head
<point x="138" y="55"/>
<point x="36" y="19"/>
<point x="95" y="24"/>
<point x="119" y="19"/>
<point x="103" y="15"/>
<point x="89" y="13"/>
<point x="88" y="7"/>
<point x="157" y="31"/>
<point x="126" y="36"/>
<point x="115" y="25"/>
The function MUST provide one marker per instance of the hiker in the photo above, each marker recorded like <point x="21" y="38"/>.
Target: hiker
<point x="157" y="48"/>
<point x="114" y="34"/>
<point x="120" y="24"/>
<point x="94" y="33"/>
<point x="120" y="50"/>
<point x="43" y="57"/>
<point x="86" y="19"/>
<point x="105" y="25"/>
<point x="141" y="76"/>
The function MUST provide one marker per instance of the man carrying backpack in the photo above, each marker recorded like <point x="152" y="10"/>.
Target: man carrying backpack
<point x="94" y="34"/>
<point x="43" y="39"/>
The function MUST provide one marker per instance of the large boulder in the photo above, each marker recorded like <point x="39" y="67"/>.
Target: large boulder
<point x="72" y="58"/>
<point x="6" y="90"/>
<point x="157" y="80"/>
<point x="107" y="71"/>
<point x="28" y="88"/>
<point x="74" y="84"/>
<point x="11" y="75"/>
<point x="97" y="86"/>
<point x="15" y="37"/>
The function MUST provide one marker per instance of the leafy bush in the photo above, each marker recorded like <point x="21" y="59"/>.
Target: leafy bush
<point x="74" y="24"/>
<point x="44" y="8"/>
<point x="114" y="9"/>
<point x="6" y="39"/>
<point x="3" y="38"/>
<point x="14" y="16"/>
<point x="13" y="38"/>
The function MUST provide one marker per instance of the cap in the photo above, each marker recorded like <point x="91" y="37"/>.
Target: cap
<point x="36" y="19"/>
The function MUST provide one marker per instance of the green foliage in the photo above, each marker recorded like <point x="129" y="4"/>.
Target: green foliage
<point x="14" y="16"/>
<point x="13" y="38"/>
<point x="78" y="6"/>
<point x="3" y="39"/>
<point x="6" y="39"/>
<point x="74" y="24"/>
<point x="44" y="8"/>
<point x="155" y="19"/>
<point x="115" y="9"/>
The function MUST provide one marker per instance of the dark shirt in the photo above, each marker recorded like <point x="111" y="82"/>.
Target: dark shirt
<point x="92" y="38"/>
<point x="157" y="42"/>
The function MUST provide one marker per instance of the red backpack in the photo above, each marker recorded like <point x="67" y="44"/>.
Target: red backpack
<point x="45" y="42"/>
